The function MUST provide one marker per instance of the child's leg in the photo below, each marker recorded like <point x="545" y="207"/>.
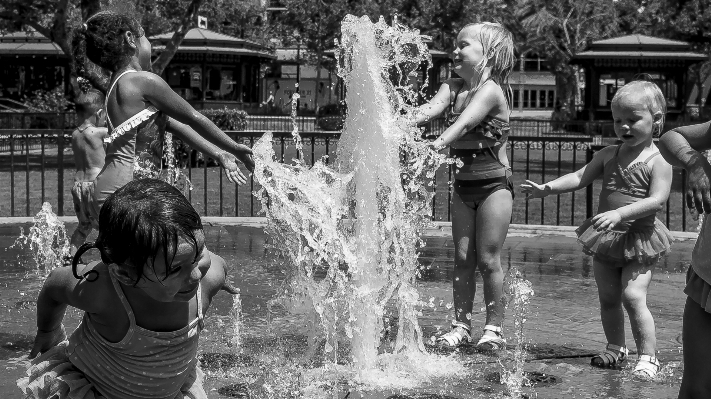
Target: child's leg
<point x="696" y="383"/>
<point x="636" y="278"/>
<point x="79" y="236"/>
<point x="492" y="226"/>
<point x="464" y="284"/>
<point x="609" y="290"/>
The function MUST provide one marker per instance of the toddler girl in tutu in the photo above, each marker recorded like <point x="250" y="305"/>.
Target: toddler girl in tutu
<point x="625" y="237"/>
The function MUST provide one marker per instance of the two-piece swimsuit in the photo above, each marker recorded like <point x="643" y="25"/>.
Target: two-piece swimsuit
<point x="482" y="172"/>
<point x="134" y="149"/>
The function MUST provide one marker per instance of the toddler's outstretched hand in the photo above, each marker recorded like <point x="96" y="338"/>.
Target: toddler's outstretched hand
<point x="607" y="220"/>
<point x="534" y="190"/>
<point x="47" y="340"/>
<point x="229" y="288"/>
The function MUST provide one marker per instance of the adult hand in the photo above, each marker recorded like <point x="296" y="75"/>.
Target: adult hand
<point x="47" y="340"/>
<point x="534" y="190"/>
<point x="698" y="195"/>
<point x="607" y="220"/>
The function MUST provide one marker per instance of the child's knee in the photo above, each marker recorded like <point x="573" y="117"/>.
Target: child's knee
<point x="634" y="299"/>
<point x="489" y="260"/>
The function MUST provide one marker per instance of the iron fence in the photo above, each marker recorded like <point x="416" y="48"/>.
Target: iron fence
<point x="38" y="166"/>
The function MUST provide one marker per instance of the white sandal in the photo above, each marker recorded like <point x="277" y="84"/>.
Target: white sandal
<point x="492" y="343"/>
<point x="647" y="367"/>
<point x="459" y="335"/>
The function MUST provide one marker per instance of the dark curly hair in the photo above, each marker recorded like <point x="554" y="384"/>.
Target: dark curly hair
<point x="137" y="221"/>
<point x="100" y="40"/>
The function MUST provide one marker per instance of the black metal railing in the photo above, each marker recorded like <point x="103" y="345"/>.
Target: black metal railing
<point x="38" y="166"/>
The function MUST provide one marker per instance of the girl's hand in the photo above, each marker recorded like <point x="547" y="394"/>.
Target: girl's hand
<point x="244" y="154"/>
<point x="533" y="190"/>
<point x="607" y="220"/>
<point x="698" y="188"/>
<point x="47" y="340"/>
<point x="231" y="165"/>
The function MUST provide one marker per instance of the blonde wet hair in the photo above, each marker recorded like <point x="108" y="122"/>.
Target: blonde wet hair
<point x="650" y="93"/>
<point x="498" y="47"/>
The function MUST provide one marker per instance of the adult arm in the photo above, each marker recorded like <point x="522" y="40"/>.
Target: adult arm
<point x="680" y="147"/>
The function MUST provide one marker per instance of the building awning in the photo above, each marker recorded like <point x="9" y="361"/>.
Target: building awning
<point x="640" y="47"/>
<point x="199" y="40"/>
<point x="28" y="44"/>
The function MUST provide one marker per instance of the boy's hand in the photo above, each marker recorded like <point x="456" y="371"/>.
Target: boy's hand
<point x="607" y="220"/>
<point x="229" y="288"/>
<point x="698" y="188"/>
<point x="534" y="190"/>
<point x="47" y="340"/>
<point x="244" y="154"/>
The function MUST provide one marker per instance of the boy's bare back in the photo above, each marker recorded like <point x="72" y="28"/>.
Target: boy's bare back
<point x="89" y="152"/>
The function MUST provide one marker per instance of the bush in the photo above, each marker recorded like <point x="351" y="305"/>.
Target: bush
<point x="48" y="101"/>
<point x="226" y="118"/>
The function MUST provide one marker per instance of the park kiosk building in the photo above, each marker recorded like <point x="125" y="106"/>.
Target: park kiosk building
<point x="213" y="70"/>
<point x="609" y="64"/>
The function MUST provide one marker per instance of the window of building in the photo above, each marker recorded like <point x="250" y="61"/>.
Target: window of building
<point x="515" y="98"/>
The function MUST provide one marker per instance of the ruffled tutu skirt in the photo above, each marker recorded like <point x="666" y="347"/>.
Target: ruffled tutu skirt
<point x="52" y="376"/>
<point x="698" y="289"/>
<point x="645" y="246"/>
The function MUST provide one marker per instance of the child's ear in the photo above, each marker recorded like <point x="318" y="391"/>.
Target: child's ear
<point x="130" y="39"/>
<point x="657" y="117"/>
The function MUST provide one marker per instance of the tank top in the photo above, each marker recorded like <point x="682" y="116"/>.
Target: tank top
<point x="133" y="148"/>
<point x="624" y="186"/>
<point x="144" y="364"/>
<point x="478" y="149"/>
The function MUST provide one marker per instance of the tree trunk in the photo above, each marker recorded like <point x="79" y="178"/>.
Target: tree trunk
<point x="187" y="23"/>
<point x="566" y="86"/>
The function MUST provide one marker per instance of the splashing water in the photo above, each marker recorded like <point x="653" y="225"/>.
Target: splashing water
<point x="520" y="292"/>
<point x="47" y="241"/>
<point x="236" y="320"/>
<point x="350" y="234"/>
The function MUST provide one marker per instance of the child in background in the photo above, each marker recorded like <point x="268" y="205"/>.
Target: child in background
<point x="144" y="304"/>
<point x="477" y="111"/>
<point x="88" y="148"/>
<point x="141" y="107"/>
<point x="625" y="237"/>
<point x="681" y="147"/>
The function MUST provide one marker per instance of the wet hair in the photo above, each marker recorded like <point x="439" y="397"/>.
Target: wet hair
<point x="137" y="221"/>
<point x="101" y="40"/>
<point x="87" y="103"/>
<point x="498" y="47"/>
<point x="652" y="96"/>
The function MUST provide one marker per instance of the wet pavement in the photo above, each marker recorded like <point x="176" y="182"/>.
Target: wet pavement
<point x="562" y="329"/>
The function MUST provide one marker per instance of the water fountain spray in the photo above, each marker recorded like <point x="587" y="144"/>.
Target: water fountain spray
<point x="361" y="220"/>
<point x="47" y="241"/>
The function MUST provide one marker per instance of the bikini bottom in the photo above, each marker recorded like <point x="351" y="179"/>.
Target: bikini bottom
<point x="474" y="192"/>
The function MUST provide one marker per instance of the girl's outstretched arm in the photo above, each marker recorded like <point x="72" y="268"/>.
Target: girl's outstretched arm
<point x="227" y="160"/>
<point x="680" y="147"/>
<point x="572" y="181"/>
<point x="156" y="91"/>
<point x="659" y="189"/>
<point x="487" y="98"/>
<point x="436" y="106"/>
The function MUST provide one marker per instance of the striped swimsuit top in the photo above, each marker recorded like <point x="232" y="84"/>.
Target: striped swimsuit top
<point x="479" y="148"/>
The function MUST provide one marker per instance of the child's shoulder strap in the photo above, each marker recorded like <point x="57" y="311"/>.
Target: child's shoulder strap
<point x="649" y="158"/>
<point x="108" y="93"/>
